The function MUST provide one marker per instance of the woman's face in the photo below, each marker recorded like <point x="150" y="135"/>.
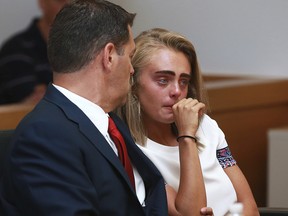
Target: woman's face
<point x="162" y="83"/>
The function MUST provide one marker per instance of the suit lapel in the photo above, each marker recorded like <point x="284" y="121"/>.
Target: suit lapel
<point x="149" y="173"/>
<point x="87" y="128"/>
<point x="154" y="183"/>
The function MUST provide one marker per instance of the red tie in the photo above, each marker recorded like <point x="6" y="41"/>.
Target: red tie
<point x="122" y="150"/>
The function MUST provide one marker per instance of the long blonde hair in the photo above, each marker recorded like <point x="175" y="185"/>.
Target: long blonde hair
<point x="147" y="43"/>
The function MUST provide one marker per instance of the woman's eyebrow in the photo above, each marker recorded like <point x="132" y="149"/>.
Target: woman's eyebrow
<point x="185" y="75"/>
<point x="166" y="72"/>
<point x="169" y="72"/>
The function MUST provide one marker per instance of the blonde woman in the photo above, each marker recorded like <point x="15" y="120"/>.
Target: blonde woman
<point x="166" y="115"/>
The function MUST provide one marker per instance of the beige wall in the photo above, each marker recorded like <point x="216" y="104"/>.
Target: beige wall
<point x="15" y="15"/>
<point x="247" y="37"/>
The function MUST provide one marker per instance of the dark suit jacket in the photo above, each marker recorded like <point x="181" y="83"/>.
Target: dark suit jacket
<point x="61" y="165"/>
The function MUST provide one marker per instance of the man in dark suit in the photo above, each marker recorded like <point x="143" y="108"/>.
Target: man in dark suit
<point x="63" y="161"/>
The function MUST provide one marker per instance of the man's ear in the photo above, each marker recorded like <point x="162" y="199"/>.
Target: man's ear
<point x="109" y="55"/>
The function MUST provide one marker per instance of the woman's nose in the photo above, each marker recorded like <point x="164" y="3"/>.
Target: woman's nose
<point x="175" y="91"/>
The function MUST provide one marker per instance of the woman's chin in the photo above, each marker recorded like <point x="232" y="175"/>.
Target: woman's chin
<point x="169" y="120"/>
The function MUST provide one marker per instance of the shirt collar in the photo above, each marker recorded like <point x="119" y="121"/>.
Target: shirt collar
<point x="94" y="112"/>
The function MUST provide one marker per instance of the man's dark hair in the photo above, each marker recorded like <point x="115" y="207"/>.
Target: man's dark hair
<point x="82" y="28"/>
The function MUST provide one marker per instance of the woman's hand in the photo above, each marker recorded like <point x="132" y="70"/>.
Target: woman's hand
<point x="206" y="211"/>
<point x="187" y="113"/>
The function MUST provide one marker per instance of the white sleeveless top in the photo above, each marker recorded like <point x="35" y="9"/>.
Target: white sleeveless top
<point x="214" y="157"/>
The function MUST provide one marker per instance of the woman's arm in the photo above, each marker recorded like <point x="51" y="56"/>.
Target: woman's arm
<point x="191" y="195"/>
<point x="171" y="196"/>
<point x="243" y="191"/>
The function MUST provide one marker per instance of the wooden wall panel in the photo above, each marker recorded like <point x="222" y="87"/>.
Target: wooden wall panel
<point x="245" y="110"/>
<point x="11" y="115"/>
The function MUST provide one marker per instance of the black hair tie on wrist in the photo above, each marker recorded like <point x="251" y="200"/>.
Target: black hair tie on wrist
<point x="186" y="136"/>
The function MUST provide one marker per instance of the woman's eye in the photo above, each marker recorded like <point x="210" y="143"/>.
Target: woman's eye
<point x="163" y="81"/>
<point x="184" y="82"/>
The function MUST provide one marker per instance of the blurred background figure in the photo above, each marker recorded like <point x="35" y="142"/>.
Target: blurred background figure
<point x="24" y="67"/>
